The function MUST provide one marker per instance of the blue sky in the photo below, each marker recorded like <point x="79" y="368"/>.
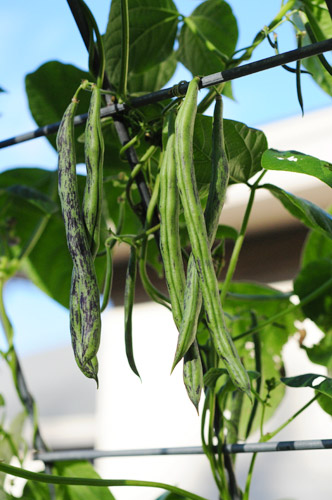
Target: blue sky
<point x="38" y="31"/>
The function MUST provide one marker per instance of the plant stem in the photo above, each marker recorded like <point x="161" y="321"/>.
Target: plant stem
<point x="82" y="481"/>
<point x="17" y="374"/>
<point x="209" y="98"/>
<point x="262" y="34"/>
<point x="124" y="48"/>
<point x="249" y="477"/>
<point x="270" y="435"/>
<point x="312" y="296"/>
<point x="30" y="245"/>
<point x="237" y="246"/>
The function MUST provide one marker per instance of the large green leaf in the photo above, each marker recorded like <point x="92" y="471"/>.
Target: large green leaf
<point x="309" y="279"/>
<point x="244" y="147"/>
<point x="316" y="246"/>
<point x="32" y="196"/>
<point x="20" y="217"/>
<point x="293" y="161"/>
<point x="50" y="89"/>
<point x="153" y="79"/>
<point x="208" y="37"/>
<point x="308" y="213"/>
<point x="152" y="31"/>
<point x="36" y="491"/>
<point x="80" y="469"/>
<point x="323" y="388"/>
<point x="321" y="353"/>
<point x="245" y="302"/>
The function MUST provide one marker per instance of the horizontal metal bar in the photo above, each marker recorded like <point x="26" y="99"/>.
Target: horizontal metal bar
<point x="181" y="88"/>
<point x="267" y="63"/>
<point x="68" y="455"/>
<point x="53" y="127"/>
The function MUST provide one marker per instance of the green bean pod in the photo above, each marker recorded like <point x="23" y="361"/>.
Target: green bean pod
<point x="193" y="374"/>
<point x="129" y="297"/>
<point x="84" y="304"/>
<point x="94" y="158"/>
<point x="217" y="191"/>
<point x="184" y="129"/>
<point x="169" y="206"/>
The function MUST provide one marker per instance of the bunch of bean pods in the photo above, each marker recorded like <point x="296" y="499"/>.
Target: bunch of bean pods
<point x="82" y="226"/>
<point x="176" y="187"/>
<point x="187" y="292"/>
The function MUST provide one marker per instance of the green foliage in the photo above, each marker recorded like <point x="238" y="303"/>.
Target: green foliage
<point x="79" y="469"/>
<point x="152" y="34"/>
<point x="248" y="302"/>
<point x="311" y="277"/>
<point x="293" y="161"/>
<point x="308" y="213"/>
<point x="208" y="38"/>
<point x="49" y="89"/>
<point x="244" y="147"/>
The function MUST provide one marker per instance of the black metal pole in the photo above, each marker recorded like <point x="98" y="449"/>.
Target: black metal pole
<point x="181" y="88"/>
<point x="272" y="446"/>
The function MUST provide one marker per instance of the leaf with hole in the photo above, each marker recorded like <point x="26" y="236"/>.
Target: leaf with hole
<point x="293" y="161"/>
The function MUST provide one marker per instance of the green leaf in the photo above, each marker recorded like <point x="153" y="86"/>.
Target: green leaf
<point x="325" y="402"/>
<point x="212" y="375"/>
<point x="226" y="232"/>
<point x="208" y="37"/>
<point x="312" y="380"/>
<point x="311" y="277"/>
<point x="34" y="490"/>
<point x="321" y="353"/>
<point x="152" y="32"/>
<point x="293" y="161"/>
<point x="50" y="89"/>
<point x="245" y="303"/>
<point x="154" y="78"/>
<point x="34" y="197"/>
<point x="244" y="147"/>
<point x="80" y="469"/>
<point x="2" y="401"/>
<point x="308" y="213"/>
<point x="316" y="246"/>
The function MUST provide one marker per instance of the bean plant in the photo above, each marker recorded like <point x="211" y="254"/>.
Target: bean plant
<point x="156" y="179"/>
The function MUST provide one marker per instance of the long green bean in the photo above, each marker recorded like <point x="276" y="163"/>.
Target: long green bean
<point x="184" y="129"/>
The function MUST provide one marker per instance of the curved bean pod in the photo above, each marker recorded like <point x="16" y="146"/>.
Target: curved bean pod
<point x="184" y="129"/>
<point x="94" y="158"/>
<point x="169" y="206"/>
<point x="128" y="307"/>
<point x="84" y="306"/>
<point x="215" y="201"/>
<point x="170" y="246"/>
